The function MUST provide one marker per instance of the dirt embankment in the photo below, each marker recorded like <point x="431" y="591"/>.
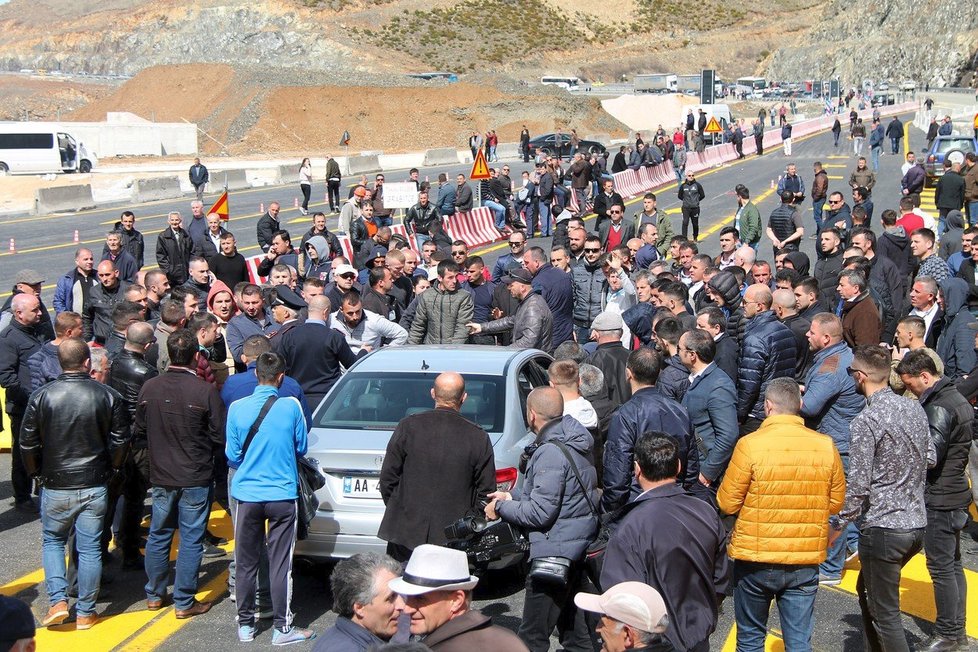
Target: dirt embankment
<point x="249" y="115"/>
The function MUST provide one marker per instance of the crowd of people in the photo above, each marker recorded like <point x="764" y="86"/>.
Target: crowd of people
<point x="787" y="417"/>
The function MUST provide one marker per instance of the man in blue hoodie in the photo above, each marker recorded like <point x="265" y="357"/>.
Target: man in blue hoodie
<point x="265" y="484"/>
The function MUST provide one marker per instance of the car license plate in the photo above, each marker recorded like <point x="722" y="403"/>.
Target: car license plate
<point x="361" y="487"/>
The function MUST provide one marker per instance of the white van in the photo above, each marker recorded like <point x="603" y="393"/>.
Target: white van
<point x="41" y="148"/>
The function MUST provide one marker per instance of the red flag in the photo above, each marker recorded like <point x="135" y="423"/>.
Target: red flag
<point x="221" y="207"/>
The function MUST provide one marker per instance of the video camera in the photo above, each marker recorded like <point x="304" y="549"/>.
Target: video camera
<point x="485" y="541"/>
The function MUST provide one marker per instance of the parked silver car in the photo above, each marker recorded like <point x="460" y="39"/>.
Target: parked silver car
<point x="352" y="425"/>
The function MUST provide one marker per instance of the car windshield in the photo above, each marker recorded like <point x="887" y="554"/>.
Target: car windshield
<point x="945" y="145"/>
<point x="377" y="401"/>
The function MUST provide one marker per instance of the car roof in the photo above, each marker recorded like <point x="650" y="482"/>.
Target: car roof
<point x="470" y="359"/>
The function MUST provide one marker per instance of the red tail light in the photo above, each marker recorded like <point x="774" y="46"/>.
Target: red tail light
<point x="505" y="479"/>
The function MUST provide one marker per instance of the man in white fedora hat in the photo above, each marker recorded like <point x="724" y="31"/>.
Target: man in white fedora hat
<point x="633" y="617"/>
<point x="435" y="591"/>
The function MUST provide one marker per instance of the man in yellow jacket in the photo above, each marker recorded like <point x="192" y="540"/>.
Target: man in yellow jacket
<point x="784" y="481"/>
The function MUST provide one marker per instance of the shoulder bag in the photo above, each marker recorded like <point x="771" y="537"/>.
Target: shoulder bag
<point x="556" y="570"/>
<point x="311" y="479"/>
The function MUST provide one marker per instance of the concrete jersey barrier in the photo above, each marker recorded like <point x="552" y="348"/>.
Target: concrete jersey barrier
<point x="441" y="156"/>
<point x="156" y="189"/>
<point x="63" y="198"/>
<point x="235" y="179"/>
<point x="363" y="164"/>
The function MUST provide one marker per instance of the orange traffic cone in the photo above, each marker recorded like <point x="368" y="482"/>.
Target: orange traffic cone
<point x="75" y="240"/>
<point x="295" y="202"/>
<point x="13" y="246"/>
<point x="261" y="207"/>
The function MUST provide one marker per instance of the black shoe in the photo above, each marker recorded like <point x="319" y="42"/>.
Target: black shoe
<point x="215" y="540"/>
<point x="940" y="644"/>
<point x="27" y="506"/>
<point x="212" y="551"/>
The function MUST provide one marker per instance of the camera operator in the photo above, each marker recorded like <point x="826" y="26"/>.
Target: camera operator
<point x="439" y="444"/>
<point x="560" y="518"/>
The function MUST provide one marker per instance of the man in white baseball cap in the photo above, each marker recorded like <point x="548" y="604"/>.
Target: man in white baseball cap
<point x="435" y="591"/>
<point x="633" y="616"/>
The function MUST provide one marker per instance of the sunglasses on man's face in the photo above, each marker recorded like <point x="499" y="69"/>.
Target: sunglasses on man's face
<point x="588" y="250"/>
<point x="515" y="244"/>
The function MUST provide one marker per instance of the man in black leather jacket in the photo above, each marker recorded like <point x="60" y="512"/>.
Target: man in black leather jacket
<point x="18" y="342"/>
<point x="75" y="432"/>
<point x="946" y="495"/>
<point x="129" y="371"/>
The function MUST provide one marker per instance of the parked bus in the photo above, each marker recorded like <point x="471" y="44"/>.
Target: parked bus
<point x="41" y="148"/>
<point x="755" y="83"/>
<point x="567" y="83"/>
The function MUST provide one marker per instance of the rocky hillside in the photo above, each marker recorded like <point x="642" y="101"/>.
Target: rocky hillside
<point x="928" y="41"/>
<point x="358" y="41"/>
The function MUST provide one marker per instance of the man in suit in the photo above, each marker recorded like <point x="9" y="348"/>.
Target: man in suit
<point x="615" y="231"/>
<point x="923" y="304"/>
<point x="438" y="443"/>
<point x="605" y="200"/>
<point x="209" y="244"/>
<point x="173" y="250"/>
<point x="711" y="401"/>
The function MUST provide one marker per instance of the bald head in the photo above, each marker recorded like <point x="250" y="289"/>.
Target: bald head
<point x="449" y="390"/>
<point x="26" y="308"/>
<point x="108" y="276"/>
<point x="783" y="301"/>
<point x="319" y="307"/>
<point x="543" y="405"/>
<point x="138" y="335"/>
<point x="759" y="293"/>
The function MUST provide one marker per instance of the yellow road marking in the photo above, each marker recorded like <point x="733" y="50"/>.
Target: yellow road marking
<point x="906" y="139"/>
<point x="835" y="178"/>
<point x="917" y="594"/>
<point x="167" y="624"/>
<point x="13" y="588"/>
<point x="834" y="165"/>
<point x="772" y="643"/>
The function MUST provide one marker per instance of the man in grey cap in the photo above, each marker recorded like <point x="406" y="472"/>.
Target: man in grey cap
<point x="531" y="324"/>
<point x="611" y="356"/>
<point x="28" y="281"/>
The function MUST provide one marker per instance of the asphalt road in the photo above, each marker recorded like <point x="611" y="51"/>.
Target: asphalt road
<point x="127" y="626"/>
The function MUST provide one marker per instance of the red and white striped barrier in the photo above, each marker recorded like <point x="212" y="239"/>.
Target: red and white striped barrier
<point x="475" y="228"/>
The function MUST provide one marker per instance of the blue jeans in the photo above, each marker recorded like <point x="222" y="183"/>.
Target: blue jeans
<point x="383" y="221"/>
<point x="492" y="153"/>
<point x="894" y="145"/>
<point x="543" y="211"/>
<point x="874" y="154"/>
<point x="793" y="587"/>
<point x="186" y="509"/>
<point x="817" y="205"/>
<point x="85" y="510"/>
<point x="836" y="557"/>
<point x="498" y="212"/>
<point x="972" y="207"/>
<point x="680" y="175"/>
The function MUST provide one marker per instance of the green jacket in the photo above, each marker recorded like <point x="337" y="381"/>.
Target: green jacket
<point x="664" y="225"/>
<point x="750" y="224"/>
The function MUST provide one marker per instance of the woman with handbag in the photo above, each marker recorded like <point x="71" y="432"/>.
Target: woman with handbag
<point x="559" y="513"/>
